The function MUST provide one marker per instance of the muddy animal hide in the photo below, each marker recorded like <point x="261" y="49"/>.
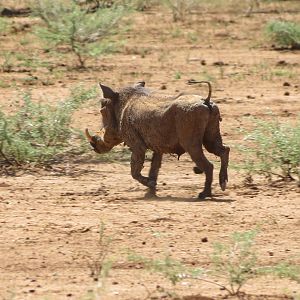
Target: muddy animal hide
<point x="176" y="125"/>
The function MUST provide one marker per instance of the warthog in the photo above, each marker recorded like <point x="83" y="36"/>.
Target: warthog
<point x="164" y="125"/>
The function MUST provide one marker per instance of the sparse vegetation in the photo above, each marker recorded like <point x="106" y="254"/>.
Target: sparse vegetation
<point x="177" y="75"/>
<point x="180" y="8"/>
<point x="7" y="63"/>
<point x="235" y="261"/>
<point x="284" y="34"/>
<point x="170" y="269"/>
<point x="38" y="132"/>
<point x="84" y="34"/>
<point x="273" y="149"/>
<point x="283" y="270"/>
<point x="53" y="188"/>
<point x="233" y="264"/>
<point x="3" y="26"/>
<point x="100" y="264"/>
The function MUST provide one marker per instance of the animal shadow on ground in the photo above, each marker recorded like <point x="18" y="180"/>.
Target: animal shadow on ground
<point x="151" y="197"/>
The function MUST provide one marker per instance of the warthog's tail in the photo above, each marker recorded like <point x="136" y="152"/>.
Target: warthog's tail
<point x="207" y="100"/>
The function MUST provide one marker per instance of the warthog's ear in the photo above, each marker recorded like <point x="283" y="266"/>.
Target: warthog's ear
<point x="108" y="93"/>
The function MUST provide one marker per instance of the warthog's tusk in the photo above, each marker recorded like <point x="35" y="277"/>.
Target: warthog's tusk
<point x="88" y="136"/>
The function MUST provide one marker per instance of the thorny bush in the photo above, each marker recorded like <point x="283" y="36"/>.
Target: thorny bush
<point x="272" y="149"/>
<point x="38" y="132"/>
<point x="85" y="34"/>
<point x="284" y="33"/>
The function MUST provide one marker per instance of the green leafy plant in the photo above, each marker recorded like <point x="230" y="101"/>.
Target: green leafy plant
<point x="272" y="149"/>
<point x="283" y="270"/>
<point x="99" y="264"/>
<point x="3" y="25"/>
<point x="139" y="5"/>
<point x="177" y="75"/>
<point x="284" y="33"/>
<point x="8" y="63"/>
<point x="170" y="268"/>
<point x="38" y="132"/>
<point x="235" y="261"/>
<point x="180" y="8"/>
<point x="84" y="34"/>
<point x="232" y="264"/>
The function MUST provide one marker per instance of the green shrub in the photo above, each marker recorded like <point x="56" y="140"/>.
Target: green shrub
<point x="38" y="132"/>
<point x="170" y="268"/>
<point x="283" y="270"/>
<point x="272" y="148"/>
<point x="69" y="25"/>
<point x="232" y="264"/>
<point x="3" y="25"/>
<point x="284" y="34"/>
<point x="8" y="61"/>
<point x="235" y="261"/>
<point x="180" y="8"/>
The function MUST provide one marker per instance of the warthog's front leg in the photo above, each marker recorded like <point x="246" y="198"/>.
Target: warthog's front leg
<point x="137" y="163"/>
<point x="154" y="169"/>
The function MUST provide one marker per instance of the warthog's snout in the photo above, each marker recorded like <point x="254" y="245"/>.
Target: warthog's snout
<point x="97" y="143"/>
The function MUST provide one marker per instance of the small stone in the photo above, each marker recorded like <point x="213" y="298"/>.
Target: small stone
<point x="271" y="253"/>
<point x="219" y="63"/>
<point x="286" y="94"/>
<point x="286" y="84"/>
<point x="203" y="62"/>
<point x="204" y="240"/>
<point x="282" y="63"/>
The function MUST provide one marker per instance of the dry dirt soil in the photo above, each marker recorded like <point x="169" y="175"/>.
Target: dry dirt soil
<point x="50" y="218"/>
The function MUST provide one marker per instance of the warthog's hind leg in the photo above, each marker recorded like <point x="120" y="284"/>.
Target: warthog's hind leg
<point x="202" y="163"/>
<point x="223" y="175"/>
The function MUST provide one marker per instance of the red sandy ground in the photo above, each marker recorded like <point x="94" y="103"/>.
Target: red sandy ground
<point x="49" y="219"/>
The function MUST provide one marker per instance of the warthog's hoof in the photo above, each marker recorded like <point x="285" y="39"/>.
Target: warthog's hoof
<point x="204" y="195"/>
<point x="223" y="185"/>
<point x="197" y="170"/>
<point x="223" y="179"/>
<point x="151" y="193"/>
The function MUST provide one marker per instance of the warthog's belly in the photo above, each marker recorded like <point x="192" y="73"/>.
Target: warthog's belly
<point x="174" y="149"/>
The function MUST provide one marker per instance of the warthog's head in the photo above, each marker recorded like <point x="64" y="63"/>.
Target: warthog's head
<point x="110" y="104"/>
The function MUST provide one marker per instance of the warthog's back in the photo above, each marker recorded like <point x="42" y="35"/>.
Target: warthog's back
<point x="164" y="125"/>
